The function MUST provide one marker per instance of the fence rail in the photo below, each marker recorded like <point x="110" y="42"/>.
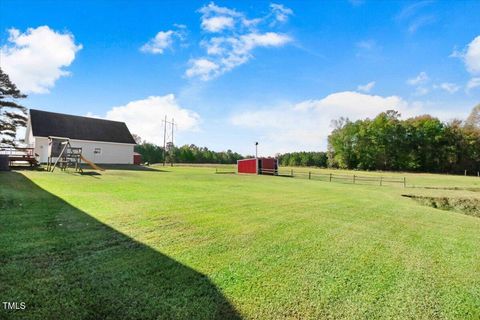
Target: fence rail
<point x="333" y="177"/>
<point x="329" y="177"/>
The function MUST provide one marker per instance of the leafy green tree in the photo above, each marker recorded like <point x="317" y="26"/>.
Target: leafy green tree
<point x="318" y="159"/>
<point x="150" y="152"/>
<point x="422" y="143"/>
<point x="343" y="141"/>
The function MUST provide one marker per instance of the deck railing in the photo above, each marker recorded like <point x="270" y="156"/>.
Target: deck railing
<point x="18" y="152"/>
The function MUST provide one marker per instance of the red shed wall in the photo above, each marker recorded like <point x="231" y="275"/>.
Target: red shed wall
<point x="269" y="163"/>
<point x="247" y="166"/>
<point x="137" y="158"/>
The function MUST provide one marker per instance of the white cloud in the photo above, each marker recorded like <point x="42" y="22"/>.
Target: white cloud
<point x="216" y="19"/>
<point x="307" y="124"/>
<point x="35" y="59"/>
<point x="144" y="117"/>
<point x="236" y="36"/>
<point x="227" y="53"/>
<point x="470" y="56"/>
<point x="163" y="40"/>
<point x="212" y="9"/>
<point x="473" y="83"/>
<point x="413" y="16"/>
<point x="217" y="24"/>
<point x="202" y="68"/>
<point x="280" y="12"/>
<point x="420" y="79"/>
<point x="366" y="87"/>
<point x="448" y="87"/>
<point x="354" y="104"/>
<point x="268" y="39"/>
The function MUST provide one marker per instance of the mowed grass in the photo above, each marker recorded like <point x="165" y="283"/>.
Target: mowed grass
<point x="186" y="243"/>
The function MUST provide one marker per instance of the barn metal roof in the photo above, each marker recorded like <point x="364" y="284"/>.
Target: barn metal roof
<point x="45" y="124"/>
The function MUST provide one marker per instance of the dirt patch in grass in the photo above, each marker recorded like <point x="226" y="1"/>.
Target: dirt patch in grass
<point x="473" y="189"/>
<point x="467" y="206"/>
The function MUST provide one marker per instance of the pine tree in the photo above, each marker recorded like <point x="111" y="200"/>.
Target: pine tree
<point x="12" y="115"/>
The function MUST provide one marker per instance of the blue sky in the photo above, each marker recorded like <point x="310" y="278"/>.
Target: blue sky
<point x="232" y="73"/>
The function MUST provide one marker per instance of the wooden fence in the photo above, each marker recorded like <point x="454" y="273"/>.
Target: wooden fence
<point x="333" y="177"/>
<point x="329" y="177"/>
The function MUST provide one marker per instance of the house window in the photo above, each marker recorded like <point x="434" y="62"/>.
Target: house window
<point x="97" y="151"/>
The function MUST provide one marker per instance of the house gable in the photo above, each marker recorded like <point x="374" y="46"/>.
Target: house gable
<point x="46" y="124"/>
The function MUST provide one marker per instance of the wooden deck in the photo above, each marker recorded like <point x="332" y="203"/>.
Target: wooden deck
<point x="17" y="155"/>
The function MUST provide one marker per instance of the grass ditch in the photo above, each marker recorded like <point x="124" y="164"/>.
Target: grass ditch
<point x="466" y="206"/>
<point x="473" y="189"/>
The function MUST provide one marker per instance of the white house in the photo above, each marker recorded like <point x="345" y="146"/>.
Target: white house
<point x="102" y="141"/>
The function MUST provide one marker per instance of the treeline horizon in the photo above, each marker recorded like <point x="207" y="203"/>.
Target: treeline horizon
<point x="188" y="153"/>
<point x="421" y="144"/>
<point x="386" y="142"/>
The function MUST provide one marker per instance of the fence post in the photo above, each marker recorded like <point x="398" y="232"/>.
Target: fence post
<point x="330" y="177"/>
<point x="381" y="178"/>
<point x="309" y="175"/>
<point x="465" y="172"/>
<point x="353" y="179"/>
<point x="478" y="173"/>
<point x="404" y="182"/>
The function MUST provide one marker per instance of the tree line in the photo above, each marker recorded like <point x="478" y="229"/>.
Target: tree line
<point x="152" y="153"/>
<point x="422" y="143"/>
<point x="303" y="159"/>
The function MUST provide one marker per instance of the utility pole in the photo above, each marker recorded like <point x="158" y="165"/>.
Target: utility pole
<point x="165" y="123"/>
<point x="172" y="151"/>
<point x="165" y="140"/>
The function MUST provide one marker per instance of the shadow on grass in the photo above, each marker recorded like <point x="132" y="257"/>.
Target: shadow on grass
<point x="26" y="168"/>
<point x="90" y="173"/>
<point x="64" y="264"/>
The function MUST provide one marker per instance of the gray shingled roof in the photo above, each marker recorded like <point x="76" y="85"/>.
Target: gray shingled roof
<point x="45" y="124"/>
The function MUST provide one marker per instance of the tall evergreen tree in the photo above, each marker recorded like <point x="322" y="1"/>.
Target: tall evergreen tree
<point x="12" y="115"/>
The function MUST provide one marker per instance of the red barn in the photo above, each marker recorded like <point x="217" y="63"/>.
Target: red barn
<point x="258" y="166"/>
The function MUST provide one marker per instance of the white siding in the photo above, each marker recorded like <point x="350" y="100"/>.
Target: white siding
<point x="41" y="148"/>
<point x="29" y="140"/>
<point x="111" y="153"/>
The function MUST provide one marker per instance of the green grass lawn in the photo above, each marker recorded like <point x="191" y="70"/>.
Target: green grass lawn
<point x="185" y="243"/>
